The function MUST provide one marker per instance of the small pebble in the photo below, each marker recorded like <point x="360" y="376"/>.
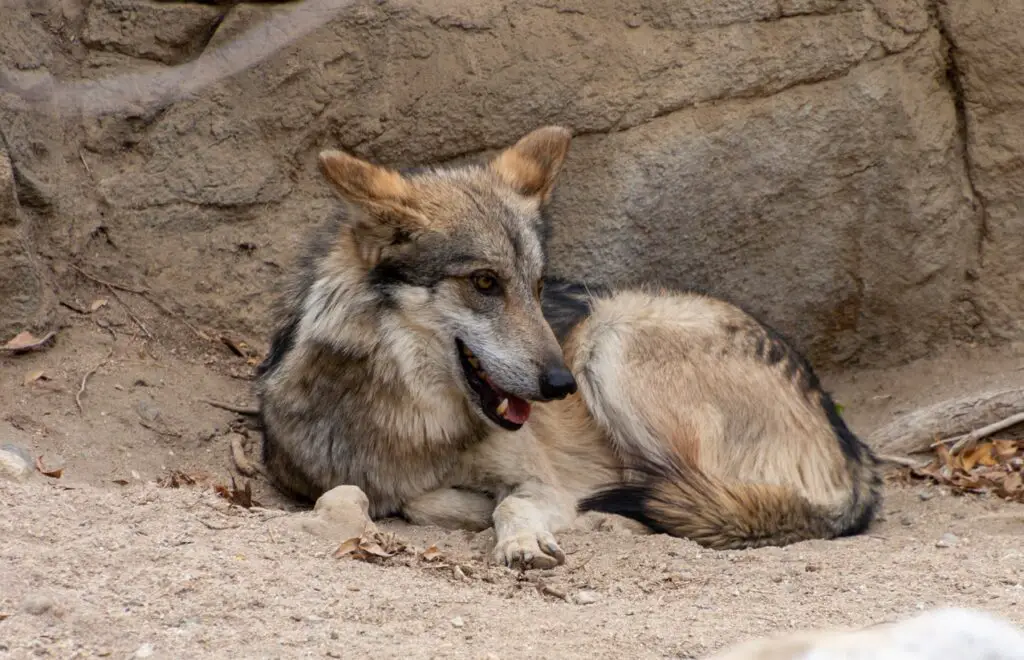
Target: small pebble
<point x="458" y="622"/>
<point x="926" y="495"/>
<point x="37" y="604"/>
<point x="947" y="541"/>
<point x="586" y="597"/>
<point x="13" y="464"/>
<point x="144" y="651"/>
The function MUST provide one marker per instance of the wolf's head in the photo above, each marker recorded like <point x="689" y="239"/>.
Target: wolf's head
<point x="456" y="255"/>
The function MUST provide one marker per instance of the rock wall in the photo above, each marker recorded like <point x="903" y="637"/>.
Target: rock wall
<point x="848" y="170"/>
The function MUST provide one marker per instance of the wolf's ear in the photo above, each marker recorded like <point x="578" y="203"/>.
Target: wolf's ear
<point x="531" y="165"/>
<point x="385" y="208"/>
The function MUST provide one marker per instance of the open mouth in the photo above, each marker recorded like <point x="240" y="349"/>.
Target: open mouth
<point x="506" y="410"/>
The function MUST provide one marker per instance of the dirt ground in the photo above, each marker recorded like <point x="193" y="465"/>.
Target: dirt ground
<point x="104" y="562"/>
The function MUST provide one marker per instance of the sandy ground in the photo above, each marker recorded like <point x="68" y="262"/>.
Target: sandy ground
<point x="103" y="562"/>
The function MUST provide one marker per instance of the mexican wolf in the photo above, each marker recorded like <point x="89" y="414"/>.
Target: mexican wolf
<point x="422" y="355"/>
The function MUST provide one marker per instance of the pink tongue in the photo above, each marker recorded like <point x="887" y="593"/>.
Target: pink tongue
<point x="518" y="410"/>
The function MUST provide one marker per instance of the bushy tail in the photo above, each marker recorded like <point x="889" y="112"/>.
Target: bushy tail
<point x="676" y="497"/>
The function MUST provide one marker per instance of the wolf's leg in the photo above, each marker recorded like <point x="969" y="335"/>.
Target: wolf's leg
<point x="524" y="522"/>
<point x="532" y="503"/>
<point x="451" y="508"/>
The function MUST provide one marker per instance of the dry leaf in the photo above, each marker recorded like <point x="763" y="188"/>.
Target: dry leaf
<point x="53" y="474"/>
<point x="945" y="458"/>
<point x="33" y="376"/>
<point x="991" y="467"/>
<point x="21" y="340"/>
<point x="1005" y="449"/>
<point x="431" y="554"/>
<point x="240" y="497"/>
<point x="373" y="547"/>
<point x="347" y="547"/>
<point x="986" y="455"/>
<point x="26" y="341"/>
<point x="120" y="482"/>
<point x="4" y="615"/>
<point x="375" y="550"/>
<point x="176" y="479"/>
<point x="969" y="460"/>
<point x="96" y="304"/>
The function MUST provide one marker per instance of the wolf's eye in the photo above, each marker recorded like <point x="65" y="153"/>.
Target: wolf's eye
<point x="485" y="283"/>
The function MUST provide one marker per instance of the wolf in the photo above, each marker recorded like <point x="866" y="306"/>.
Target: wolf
<point x="424" y="354"/>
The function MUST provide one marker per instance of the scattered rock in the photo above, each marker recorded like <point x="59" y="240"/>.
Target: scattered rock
<point x="144" y="651"/>
<point x="341" y="513"/>
<point x="458" y="622"/>
<point x="147" y="410"/>
<point x="926" y="495"/>
<point x="586" y="597"/>
<point x="37" y="604"/>
<point x="15" y="463"/>
<point x="948" y="540"/>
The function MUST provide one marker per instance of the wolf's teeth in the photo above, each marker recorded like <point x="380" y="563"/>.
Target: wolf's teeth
<point x="473" y="362"/>
<point x="466" y="351"/>
<point x="503" y="407"/>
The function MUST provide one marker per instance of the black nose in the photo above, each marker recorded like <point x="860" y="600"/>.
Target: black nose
<point x="557" y="383"/>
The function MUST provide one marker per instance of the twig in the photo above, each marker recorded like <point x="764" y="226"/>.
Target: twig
<point x="81" y="157"/>
<point x="548" y="590"/>
<point x="148" y="296"/>
<point x="73" y="307"/>
<point x="252" y="411"/>
<point x="85" y="381"/>
<point x="899" y="460"/>
<point x="29" y="347"/>
<point x="154" y="429"/>
<point x="199" y="333"/>
<point x="108" y="284"/>
<point x="962" y="441"/>
<point x="128" y="311"/>
<point x="105" y="326"/>
<point x="242" y="462"/>
<point x="216" y="527"/>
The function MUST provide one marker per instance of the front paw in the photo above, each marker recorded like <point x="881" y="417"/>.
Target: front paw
<point x="529" y="550"/>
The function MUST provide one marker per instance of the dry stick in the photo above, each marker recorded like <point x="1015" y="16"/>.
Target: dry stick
<point x="128" y="311"/>
<point x="152" y="301"/>
<point x="146" y="425"/>
<point x="147" y="295"/>
<point x="962" y="441"/>
<point x="29" y="347"/>
<point x="914" y="432"/>
<point x="85" y="381"/>
<point x="73" y="307"/>
<point x="109" y="285"/>
<point x="899" y="460"/>
<point x="252" y="411"/>
<point x="242" y="462"/>
<point x="548" y="590"/>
